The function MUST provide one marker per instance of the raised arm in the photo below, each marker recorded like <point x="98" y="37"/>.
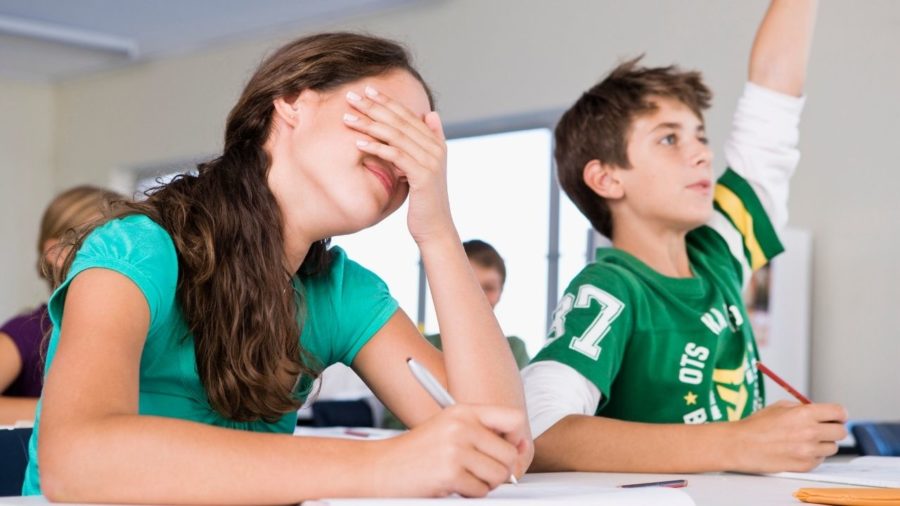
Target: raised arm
<point x="476" y="365"/>
<point x="761" y="149"/>
<point x="781" y="49"/>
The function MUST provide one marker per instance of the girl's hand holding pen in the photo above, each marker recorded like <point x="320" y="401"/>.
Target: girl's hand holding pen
<point x="440" y="395"/>
<point x="464" y="449"/>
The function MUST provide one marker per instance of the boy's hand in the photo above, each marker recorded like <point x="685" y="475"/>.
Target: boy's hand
<point x="788" y="436"/>
<point x="464" y="449"/>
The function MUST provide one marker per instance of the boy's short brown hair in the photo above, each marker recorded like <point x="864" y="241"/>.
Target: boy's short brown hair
<point x="596" y="127"/>
<point x="483" y="254"/>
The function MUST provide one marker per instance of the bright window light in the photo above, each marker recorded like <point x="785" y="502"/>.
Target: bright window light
<point x="499" y="192"/>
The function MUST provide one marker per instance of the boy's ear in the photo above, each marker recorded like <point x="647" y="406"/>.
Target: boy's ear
<point x="603" y="179"/>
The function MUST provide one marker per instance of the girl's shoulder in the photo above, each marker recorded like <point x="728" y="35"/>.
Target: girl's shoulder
<point x="134" y="239"/>
<point x="131" y="228"/>
<point x="136" y="247"/>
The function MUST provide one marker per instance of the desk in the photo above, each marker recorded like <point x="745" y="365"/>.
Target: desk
<point x="714" y="489"/>
<point x="711" y="489"/>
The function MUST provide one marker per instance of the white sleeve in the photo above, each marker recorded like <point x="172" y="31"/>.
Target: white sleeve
<point x="554" y="390"/>
<point x="762" y="146"/>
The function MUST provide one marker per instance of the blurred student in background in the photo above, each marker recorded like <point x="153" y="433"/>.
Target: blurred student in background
<point x="21" y="371"/>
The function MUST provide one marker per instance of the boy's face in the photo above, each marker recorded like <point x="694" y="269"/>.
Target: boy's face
<point x="491" y="282"/>
<point x="670" y="182"/>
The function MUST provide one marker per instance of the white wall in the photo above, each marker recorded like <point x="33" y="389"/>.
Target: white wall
<point x="26" y="162"/>
<point x="502" y="57"/>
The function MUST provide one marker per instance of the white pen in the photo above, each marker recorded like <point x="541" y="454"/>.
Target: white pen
<point x="436" y="391"/>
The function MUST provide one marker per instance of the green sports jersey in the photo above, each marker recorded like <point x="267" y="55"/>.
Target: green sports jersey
<point x="343" y="308"/>
<point x="671" y="350"/>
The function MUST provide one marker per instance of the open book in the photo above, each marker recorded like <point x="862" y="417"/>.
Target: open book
<point x="864" y="471"/>
<point x="533" y="494"/>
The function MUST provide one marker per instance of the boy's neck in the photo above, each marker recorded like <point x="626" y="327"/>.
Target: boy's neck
<point x="664" y="251"/>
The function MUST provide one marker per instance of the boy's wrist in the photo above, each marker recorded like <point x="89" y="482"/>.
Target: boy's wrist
<point x="738" y="444"/>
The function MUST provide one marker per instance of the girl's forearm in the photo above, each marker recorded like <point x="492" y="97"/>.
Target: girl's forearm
<point x="480" y="366"/>
<point x="145" y="459"/>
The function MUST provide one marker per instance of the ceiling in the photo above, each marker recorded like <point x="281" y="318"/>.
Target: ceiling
<point x="49" y="40"/>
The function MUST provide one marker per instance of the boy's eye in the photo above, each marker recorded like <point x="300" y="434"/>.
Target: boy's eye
<point x="669" y="140"/>
<point x="703" y="139"/>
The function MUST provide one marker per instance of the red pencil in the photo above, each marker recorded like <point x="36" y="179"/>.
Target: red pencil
<point x="784" y="384"/>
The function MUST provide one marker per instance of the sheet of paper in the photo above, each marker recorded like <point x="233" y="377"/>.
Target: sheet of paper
<point x="533" y="494"/>
<point x="863" y="471"/>
<point x="347" y="432"/>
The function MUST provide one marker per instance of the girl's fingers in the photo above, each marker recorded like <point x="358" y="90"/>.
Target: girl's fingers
<point x="413" y="128"/>
<point x="433" y="121"/>
<point x="467" y="484"/>
<point x="390" y="136"/>
<point x="397" y="108"/>
<point x="496" y="447"/>
<point x="507" y="421"/>
<point x="487" y="470"/>
<point x="403" y="161"/>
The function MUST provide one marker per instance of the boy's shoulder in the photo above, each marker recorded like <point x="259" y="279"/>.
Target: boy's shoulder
<point x="612" y="271"/>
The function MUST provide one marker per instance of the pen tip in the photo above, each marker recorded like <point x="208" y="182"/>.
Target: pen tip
<point x="408" y="359"/>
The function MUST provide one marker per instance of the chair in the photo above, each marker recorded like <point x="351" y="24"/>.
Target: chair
<point x="13" y="459"/>
<point x="877" y="438"/>
<point x="355" y="413"/>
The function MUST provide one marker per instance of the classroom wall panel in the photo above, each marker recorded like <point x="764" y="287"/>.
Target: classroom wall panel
<point x="26" y="184"/>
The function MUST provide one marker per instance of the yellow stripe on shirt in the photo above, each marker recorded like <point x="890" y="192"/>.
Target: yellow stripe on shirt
<point x="743" y="221"/>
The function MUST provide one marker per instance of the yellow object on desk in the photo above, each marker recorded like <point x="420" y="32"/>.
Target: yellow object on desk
<point x="850" y="496"/>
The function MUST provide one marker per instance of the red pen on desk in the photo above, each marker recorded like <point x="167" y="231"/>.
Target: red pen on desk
<point x="667" y="483"/>
<point x="784" y="384"/>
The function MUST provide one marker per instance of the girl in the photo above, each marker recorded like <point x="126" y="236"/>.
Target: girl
<point x="21" y="365"/>
<point x="210" y="307"/>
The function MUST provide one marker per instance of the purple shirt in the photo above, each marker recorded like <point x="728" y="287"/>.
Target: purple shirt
<point x="27" y="332"/>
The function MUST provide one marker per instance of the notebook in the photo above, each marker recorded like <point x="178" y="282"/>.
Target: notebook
<point x="347" y="432"/>
<point x="863" y="471"/>
<point x="534" y="494"/>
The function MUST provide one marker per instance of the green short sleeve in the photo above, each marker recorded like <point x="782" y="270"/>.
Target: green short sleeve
<point x="520" y="352"/>
<point x="135" y="247"/>
<point x="346" y="307"/>
<point x="592" y="326"/>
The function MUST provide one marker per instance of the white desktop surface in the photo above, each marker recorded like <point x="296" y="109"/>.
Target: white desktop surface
<point x="713" y="489"/>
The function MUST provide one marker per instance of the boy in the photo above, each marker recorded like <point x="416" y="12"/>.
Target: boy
<point x="652" y="340"/>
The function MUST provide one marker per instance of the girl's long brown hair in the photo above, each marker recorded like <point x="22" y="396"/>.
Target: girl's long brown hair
<point x="233" y="288"/>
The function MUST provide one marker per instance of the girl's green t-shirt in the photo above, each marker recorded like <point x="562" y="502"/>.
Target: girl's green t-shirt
<point x="343" y="308"/>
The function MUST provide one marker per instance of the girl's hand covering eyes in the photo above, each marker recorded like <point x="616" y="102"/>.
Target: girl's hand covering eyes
<point x="415" y="148"/>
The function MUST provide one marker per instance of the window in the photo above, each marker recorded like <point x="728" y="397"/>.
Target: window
<point x="500" y="193"/>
